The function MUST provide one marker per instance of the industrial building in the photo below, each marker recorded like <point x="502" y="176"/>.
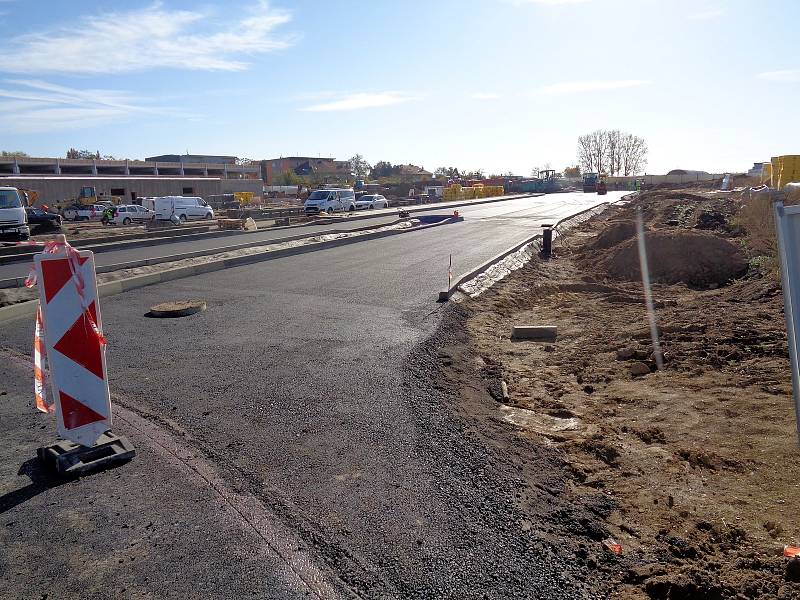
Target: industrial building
<point x="56" y="179"/>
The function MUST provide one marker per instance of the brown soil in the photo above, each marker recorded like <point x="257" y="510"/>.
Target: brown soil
<point x="700" y="461"/>
<point x="696" y="258"/>
<point x="614" y="233"/>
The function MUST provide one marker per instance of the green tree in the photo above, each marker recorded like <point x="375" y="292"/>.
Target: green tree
<point x="290" y="178"/>
<point x="86" y="154"/>
<point x="359" y="167"/>
<point x="13" y="153"/>
<point x="383" y="168"/>
<point x="446" y="172"/>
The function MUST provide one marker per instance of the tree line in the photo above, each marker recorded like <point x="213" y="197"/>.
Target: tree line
<point x="612" y="151"/>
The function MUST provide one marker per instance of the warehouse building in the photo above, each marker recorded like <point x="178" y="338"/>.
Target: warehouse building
<point x="55" y="188"/>
<point x="56" y="179"/>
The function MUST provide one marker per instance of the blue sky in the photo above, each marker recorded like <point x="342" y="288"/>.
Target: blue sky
<point x="494" y="84"/>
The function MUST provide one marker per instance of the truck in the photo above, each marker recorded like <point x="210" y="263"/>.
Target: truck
<point x="589" y="183"/>
<point x="13" y="218"/>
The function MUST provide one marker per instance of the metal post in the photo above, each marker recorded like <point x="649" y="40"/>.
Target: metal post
<point x="789" y="270"/>
<point x="648" y="295"/>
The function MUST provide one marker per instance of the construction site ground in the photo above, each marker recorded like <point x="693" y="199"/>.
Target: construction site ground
<point x="694" y="470"/>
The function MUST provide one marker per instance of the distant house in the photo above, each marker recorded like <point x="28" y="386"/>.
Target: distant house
<point x="325" y="169"/>
<point x="414" y="172"/>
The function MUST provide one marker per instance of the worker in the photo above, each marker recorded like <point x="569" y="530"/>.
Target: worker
<point x="108" y="214"/>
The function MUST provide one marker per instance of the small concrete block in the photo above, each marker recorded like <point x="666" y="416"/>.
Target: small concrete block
<point x="444" y="296"/>
<point x="544" y="333"/>
<point x="71" y="459"/>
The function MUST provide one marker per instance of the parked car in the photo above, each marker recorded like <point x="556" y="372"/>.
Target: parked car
<point x="372" y="201"/>
<point x="126" y="214"/>
<point x="76" y="212"/>
<point x="41" y="220"/>
<point x="330" y="200"/>
<point x="184" y="208"/>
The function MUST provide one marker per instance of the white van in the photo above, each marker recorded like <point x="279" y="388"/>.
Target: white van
<point x="185" y="208"/>
<point x="330" y="200"/>
<point x="13" y="218"/>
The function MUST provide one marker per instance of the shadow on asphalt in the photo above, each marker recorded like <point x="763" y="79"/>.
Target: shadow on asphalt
<point x="41" y="478"/>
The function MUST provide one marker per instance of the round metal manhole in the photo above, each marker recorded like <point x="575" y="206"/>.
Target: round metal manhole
<point x="180" y="308"/>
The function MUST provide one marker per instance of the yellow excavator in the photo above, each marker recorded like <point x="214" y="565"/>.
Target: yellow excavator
<point x="86" y="197"/>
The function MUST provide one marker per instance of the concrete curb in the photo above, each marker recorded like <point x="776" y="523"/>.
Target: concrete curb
<point x="445" y="295"/>
<point x="18" y="282"/>
<point x="110" y="288"/>
<point x="10" y="252"/>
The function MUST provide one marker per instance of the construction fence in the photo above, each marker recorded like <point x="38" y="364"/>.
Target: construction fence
<point x="457" y="192"/>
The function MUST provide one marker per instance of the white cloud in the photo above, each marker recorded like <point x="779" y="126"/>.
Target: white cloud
<point x="152" y="37"/>
<point x="358" y="101"/>
<point x="486" y="96"/>
<point x="783" y="76"/>
<point x="707" y="14"/>
<point x="580" y="87"/>
<point x="33" y="106"/>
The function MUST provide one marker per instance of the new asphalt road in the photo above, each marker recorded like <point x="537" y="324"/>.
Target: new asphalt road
<point x="308" y="387"/>
<point x="528" y="207"/>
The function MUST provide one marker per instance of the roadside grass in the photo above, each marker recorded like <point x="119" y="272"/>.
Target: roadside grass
<point x="756" y="218"/>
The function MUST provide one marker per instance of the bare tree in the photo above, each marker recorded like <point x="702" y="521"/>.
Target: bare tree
<point x="613" y="152"/>
<point x="585" y="156"/>
<point x="600" y="149"/>
<point x="634" y="154"/>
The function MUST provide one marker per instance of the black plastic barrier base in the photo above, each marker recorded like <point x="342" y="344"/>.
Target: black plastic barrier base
<point x="71" y="459"/>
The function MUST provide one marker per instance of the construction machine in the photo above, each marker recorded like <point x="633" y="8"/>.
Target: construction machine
<point x="29" y="197"/>
<point x="602" y="188"/>
<point x="549" y="183"/>
<point x="589" y="183"/>
<point x="87" y="197"/>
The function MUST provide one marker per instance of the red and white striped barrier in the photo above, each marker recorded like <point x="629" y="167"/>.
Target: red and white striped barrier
<point x="72" y="342"/>
<point x="39" y="367"/>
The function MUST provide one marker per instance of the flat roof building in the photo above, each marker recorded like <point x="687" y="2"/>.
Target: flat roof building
<point x="193" y="158"/>
<point x="30" y="165"/>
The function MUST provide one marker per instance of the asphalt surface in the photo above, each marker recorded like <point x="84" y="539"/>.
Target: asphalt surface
<point x="169" y="247"/>
<point x="310" y="382"/>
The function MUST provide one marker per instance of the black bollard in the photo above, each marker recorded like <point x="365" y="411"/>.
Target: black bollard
<point x="547" y="242"/>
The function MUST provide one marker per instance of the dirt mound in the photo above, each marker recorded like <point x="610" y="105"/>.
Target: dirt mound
<point x="695" y="258"/>
<point x="616" y="232"/>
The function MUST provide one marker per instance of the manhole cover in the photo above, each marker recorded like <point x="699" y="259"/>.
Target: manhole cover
<point x="181" y="308"/>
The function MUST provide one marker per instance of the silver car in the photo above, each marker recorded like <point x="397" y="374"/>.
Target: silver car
<point x="131" y="213"/>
